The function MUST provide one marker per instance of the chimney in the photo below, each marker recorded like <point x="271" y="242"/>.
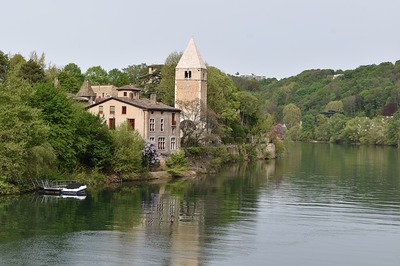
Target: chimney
<point x="153" y="98"/>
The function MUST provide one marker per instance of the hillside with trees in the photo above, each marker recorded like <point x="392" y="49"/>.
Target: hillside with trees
<point x="352" y="106"/>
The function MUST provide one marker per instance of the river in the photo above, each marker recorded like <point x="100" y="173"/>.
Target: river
<point x="321" y="204"/>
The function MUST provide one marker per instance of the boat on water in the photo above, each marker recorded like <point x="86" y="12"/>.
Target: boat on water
<point x="68" y="188"/>
<point x="75" y="189"/>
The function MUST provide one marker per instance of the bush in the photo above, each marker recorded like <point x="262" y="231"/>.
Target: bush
<point x="177" y="164"/>
<point x="127" y="160"/>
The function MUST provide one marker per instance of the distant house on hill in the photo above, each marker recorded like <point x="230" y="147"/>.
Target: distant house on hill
<point x="153" y="120"/>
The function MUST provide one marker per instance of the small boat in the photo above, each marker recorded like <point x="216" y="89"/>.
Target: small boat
<point x="58" y="187"/>
<point x="74" y="189"/>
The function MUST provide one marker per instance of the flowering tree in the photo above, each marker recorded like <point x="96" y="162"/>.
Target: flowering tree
<point x="151" y="155"/>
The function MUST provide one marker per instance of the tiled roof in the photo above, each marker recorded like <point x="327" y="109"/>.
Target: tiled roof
<point x="191" y="57"/>
<point x="86" y="90"/>
<point x="129" y="87"/>
<point x="145" y="104"/>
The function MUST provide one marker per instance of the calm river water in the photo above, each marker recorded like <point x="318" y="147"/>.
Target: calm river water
<point x="320" y="205"/>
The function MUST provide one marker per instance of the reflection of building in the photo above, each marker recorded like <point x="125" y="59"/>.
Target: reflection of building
<point x="183" y="220"/>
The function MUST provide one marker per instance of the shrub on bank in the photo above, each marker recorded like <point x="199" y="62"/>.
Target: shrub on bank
<point x="177" y="164"/>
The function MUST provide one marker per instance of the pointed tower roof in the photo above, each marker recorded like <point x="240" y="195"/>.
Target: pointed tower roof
<point x="86" y="90"/>
<point x="191" y="57"/>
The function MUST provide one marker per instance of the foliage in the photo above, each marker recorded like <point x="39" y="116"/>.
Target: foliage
<point x="58" y="112"/>
<point x="70" y="78"/>
<point x="166" y="88"/>
<point x="291" y="115"/>
<point x="23" y="134"/>
<point x="4" y="65"/>
<point x="146" y="77"/>
<point x="118" y="78"/>
<point x="336" y="106"/>
<point x="16" y="62"/>
<point x="96" y="75"/>
<point x="32" y="71"/>
<point x="127" y="160"/>
<point x="151" y="155"/>
<point x="94" y="144"/>
<point x="177" y="163"/>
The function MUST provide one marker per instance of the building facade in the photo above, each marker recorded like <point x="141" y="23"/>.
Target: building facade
<point x="153" y="120"/>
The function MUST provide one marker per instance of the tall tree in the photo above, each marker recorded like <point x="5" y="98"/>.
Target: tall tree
<point x="32" y="72"/>
<point x="58" y="112"/>
<point x="23" y="134"/>
<point x="70" y="78"/>
<point x="118" y="78"/>
<point x="166" y="88"/>
<point x="97" y="76"/>
<point x="291" y="115"/>
<point x="4" y="64"/>
<point x="16" y="62"/>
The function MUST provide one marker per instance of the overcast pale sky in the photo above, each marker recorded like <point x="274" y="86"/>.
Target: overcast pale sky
<point x="275" y="38"/>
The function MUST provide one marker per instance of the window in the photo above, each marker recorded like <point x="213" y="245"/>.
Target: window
<point x="162" y="124"/>
<point x="188" y="74"/>
<point x="112" y="110"/>
<point x="152" y="139"/>
<point x="111" y="123"/>
<point x="131" y="123"/>
<point x="173" y="143"/>
<point x="125" y="93"/>
<point x="173" y="120"/>
<point x="161" y="143"/>
<point x="124" y="110"/>
<point x="152" y="127"/>
<point x="100" y="110"/>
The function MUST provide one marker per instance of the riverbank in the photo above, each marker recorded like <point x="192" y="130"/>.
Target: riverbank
<point x="201" y="161"/>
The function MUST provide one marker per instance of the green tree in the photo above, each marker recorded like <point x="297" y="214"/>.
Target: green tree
<point x="4" y="64"/>
<point x="177" y="164"/>
<point x="93" y="141"/>
<point x="23" y="134"/>
<point x="356" y="130"/>
<point x="336" y="124"/>
<point x="291" y="115"/>
<point x="16" y="62"/>
<point x="70" y="78"/>
<point x="307" y="127"/>
<point x="166" y="88"/>
<point x="393" y="136"/>
<point x="68" y="82"/>
<point x="32" y="72"/>
<point x="96" y="75"/>
<point x="58" y="112"/>
<point x="336" y="106"/>
<point x="127" y="159"/>
<point x="74" y="70"/>
<point x="118" y="78"/>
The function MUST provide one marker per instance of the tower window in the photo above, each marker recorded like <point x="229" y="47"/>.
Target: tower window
<point x="188" y="74"/>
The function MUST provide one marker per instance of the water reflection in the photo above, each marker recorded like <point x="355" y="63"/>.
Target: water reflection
<point x="317" y="196"/>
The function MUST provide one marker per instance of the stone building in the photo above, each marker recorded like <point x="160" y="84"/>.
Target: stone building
<point x="153" y="120"/>
<point x="191" y="79"/>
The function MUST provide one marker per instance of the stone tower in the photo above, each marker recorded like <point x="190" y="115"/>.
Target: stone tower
<point x="191" y="80"/>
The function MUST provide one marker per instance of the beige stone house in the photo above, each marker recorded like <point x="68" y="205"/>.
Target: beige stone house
<point x="153" y="120"/>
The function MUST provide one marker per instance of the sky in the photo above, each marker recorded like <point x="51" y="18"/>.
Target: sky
<point x="273" y="38"/>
